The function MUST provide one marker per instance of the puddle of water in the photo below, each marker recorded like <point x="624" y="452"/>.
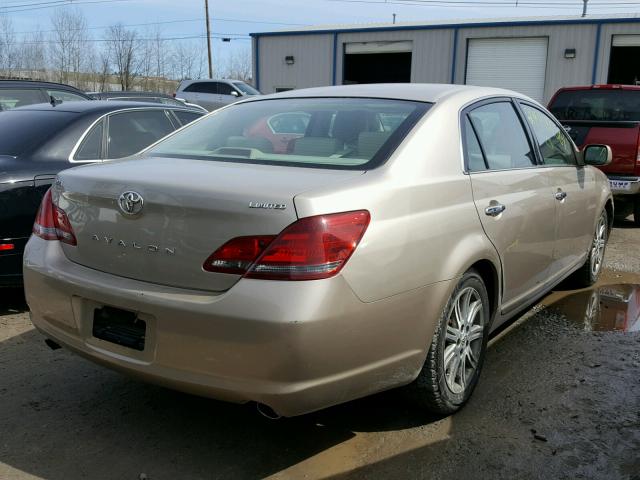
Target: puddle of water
<point x="602" y="308"/>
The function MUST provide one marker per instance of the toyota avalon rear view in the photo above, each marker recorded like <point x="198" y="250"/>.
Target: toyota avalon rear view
<point x="313" y="247"/>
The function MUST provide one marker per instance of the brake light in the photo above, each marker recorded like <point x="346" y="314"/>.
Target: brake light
<point x="310" y="249"/>
<point x="5" y="247"/>
<point x="52" y="222"/>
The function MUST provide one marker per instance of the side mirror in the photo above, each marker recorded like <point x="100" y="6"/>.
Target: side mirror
<point x="597" y="155"/>
<point x="234" y="93"/>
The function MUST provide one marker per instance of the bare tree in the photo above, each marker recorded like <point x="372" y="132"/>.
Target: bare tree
<point x="238" y="65"/>
<point x="70" y="47"/>
<point x="32" y="58"/>
<point x="8" y="48"/>
<point x="125" y="54"/>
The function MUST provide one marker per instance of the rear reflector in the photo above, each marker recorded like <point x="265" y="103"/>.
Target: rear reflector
<point x="52" y="222"/>
<point x="6" y="247"/>
<point x="310" y="249"/>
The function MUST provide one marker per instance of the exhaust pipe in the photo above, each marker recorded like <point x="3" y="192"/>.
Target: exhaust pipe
<point x="51" y="344"/>
<point x="267" y="412"/>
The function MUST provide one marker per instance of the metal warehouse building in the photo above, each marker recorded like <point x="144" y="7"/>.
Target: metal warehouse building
<point x="535" y="56"/>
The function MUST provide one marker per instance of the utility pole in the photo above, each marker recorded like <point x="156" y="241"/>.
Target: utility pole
<point x="584" y="8"/>
<point x="206" y="11"/>
<point x="394" y="18"/>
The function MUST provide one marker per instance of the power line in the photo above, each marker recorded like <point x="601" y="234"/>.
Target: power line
<point x="55" y="4"/>
<point x="445" y="4"/>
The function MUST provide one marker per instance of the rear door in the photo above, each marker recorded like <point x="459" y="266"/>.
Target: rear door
<point x="225" y="95"/>
<point x="571" y="186"/>
<point x="511" y="196"/>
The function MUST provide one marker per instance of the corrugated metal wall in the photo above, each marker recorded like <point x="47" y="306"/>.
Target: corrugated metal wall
<point x="433" y="52"/>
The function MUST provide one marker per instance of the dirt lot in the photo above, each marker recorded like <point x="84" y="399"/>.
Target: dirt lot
<point x="556" y="400"/>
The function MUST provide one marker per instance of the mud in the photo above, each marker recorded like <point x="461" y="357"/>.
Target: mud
<point x="559" y="397"/>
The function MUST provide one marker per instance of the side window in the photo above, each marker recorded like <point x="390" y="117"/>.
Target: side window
<point x="63" y="96"/>
<point x="209" y="87"/>
<point x="130" y="132"/>
<point x="555" y="147"/>
<point x="193" y="87"/>
<point x="501" y="136"/>
<point x="225" y="89"/>
<point x="186" y="117"/>
<point x="12" y="98"/>
<point x="91" y="146"/>
<point x="475" y="159"/>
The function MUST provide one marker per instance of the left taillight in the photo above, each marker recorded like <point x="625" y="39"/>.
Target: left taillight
<point x="312" y="248"/>
<point x="52" y="222"/>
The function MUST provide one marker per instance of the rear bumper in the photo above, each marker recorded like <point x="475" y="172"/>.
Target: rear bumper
<point x="624" y="185"/>
<point x="11" y="262"/>
<point x="294" y="346"/>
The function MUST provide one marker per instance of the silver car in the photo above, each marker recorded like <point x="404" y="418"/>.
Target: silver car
<point x="371" y="238"/>
<point x="213" y="94"/>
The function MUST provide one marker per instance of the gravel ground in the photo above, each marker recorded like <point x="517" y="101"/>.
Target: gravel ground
<point x="555" y="400"/>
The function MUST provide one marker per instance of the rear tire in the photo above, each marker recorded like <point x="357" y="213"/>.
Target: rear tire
<point x="589" y="273"/>
<point x="453" y="364"/>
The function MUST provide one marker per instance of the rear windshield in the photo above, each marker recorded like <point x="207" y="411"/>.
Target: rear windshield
<point x="25" y="130"/>
<point x="597" y="105"/>
<point x="348" y="133"/>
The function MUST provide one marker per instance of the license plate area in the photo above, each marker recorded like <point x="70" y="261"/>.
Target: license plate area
<point x="121" y="327"/>
<point x="620" y="185"/>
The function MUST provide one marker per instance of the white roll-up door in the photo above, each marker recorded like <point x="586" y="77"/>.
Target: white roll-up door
<point x="518" y="64"/>
<point x="626" y="41"/>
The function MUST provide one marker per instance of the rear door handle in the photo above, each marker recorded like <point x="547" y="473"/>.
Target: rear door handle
<point x="560" y="195"/>
<point x="495" y="210"/>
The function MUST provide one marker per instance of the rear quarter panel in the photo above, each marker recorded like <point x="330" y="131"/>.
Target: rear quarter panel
<point x="424" y="225"/>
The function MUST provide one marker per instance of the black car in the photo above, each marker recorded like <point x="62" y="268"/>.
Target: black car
<point x="19" y="93"/>
<point x="151" y="97"/>
<point x="38" y="141"/>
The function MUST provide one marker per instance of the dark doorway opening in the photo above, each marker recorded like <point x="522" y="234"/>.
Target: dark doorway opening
<point x="624" y="67"/>
<point x="377" y="68"/>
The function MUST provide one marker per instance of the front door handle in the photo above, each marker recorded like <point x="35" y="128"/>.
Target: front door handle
<point x="560" y="195"/>
<point x="495" y="210"/>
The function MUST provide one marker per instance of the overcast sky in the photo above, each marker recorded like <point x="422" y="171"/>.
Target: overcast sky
<point x="237" y="18"/>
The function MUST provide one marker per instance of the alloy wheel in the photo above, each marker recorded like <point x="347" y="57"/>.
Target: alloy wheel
<point x="463" y="340"/>
<point x="598" y="246"/>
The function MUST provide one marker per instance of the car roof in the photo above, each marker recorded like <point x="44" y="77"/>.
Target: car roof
<point x="420" y="92"/>
<point x="131" y="94"/>
<point x="37" y="84"/>
<point x="96" y="106"/>
<point x="600" y="87"/>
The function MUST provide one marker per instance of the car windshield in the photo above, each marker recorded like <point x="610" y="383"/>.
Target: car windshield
<point x="26" y="129"/>
<point x="356" y="133"/>
<point x="246" y="89"/>
<point x="597" y="105"/>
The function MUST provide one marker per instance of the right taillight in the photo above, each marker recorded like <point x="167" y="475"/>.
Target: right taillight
<point x="52" y="222"/>
<point x="310" y="249"/>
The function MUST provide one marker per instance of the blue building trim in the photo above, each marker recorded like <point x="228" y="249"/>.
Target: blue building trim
<point x="455" y="55"/>
<point x="257" y="72"/>
<point x="444" y="26"/>
<point x="596" y="55"/>
<point x="335" y="57"/>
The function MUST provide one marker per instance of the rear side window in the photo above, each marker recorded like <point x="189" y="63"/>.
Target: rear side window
<point x="202" y="87"/>
<point x="22" y="131"/>
<point x="475" y="158"/>
<point x="555" y="147"/>
<point x="130" y="132"/>
<point x="91" y="146"/>
<point x="597" y="105"/>
<point x="320" y="132"/>
<point x="186" y="117"/>
<point x="15" y="97"/>
<point x="64" y="96"/>
<point x="501" y="136"/>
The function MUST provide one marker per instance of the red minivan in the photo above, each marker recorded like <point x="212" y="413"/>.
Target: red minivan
<point x="610" y="115"/>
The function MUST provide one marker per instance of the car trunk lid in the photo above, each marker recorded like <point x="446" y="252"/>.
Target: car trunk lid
<point x="189" y="209"/>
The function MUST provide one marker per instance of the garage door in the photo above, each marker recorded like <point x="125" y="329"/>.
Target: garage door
<point x="518" y="64"/>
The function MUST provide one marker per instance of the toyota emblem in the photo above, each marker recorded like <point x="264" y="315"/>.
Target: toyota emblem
<point x="130" y="203"/>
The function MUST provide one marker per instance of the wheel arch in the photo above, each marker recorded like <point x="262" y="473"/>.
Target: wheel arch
<point x="489" y="274"/>
<point x="608" y="206"/>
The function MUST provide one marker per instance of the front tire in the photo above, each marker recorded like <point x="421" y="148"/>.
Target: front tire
<point x="589" y="273"/>
<point x="457" y="351"/>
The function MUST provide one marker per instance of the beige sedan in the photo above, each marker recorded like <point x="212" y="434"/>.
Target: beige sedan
<point x="379" y="243"/>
